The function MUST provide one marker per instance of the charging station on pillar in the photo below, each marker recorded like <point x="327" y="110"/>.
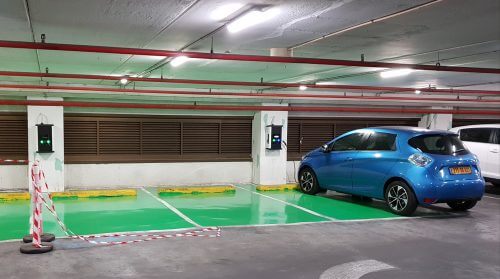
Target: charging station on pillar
<point x="273" y="137"/>
<point x="45" y="138"/>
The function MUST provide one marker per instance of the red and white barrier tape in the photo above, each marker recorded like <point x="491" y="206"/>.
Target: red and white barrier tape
<point x="89" y="238"/>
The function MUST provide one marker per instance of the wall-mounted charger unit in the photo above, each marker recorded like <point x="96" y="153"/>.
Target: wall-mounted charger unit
<point x="273" y="137"/>
<point x="45" y="138"/>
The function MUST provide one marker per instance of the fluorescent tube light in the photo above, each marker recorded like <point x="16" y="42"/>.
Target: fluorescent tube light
<point x="224" y="11"/>
<point x="179" y="60"/>
<point x="250" y="19"/>
<point x="395" y="73"/>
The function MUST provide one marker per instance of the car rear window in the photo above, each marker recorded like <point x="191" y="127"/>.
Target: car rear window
<point x="439" y="144"/>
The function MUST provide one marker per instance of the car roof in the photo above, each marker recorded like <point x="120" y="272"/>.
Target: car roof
<point x="408" y="130"/>
<point x="476" y="126"/>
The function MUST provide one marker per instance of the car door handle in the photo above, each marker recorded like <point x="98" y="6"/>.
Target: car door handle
<point x="349" y="159"/>
<point x="494" y="150"/>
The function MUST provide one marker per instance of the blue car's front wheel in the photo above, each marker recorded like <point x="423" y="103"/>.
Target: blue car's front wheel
<point x="400" y="198"/>
<point x="308" y="182"/>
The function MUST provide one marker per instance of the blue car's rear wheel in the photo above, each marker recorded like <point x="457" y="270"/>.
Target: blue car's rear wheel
<point x="400" y="198"/>
<point x="308" y="182"/>
<point x="461" y="205"/>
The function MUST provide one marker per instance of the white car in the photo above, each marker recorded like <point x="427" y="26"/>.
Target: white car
<point x="484" y="141"/>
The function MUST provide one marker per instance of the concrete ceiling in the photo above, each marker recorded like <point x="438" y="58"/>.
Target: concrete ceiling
<point x="462" y="32"/>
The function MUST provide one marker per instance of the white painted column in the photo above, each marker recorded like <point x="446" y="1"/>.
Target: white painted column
<point x="435" y="121"/>
<point x="51" y="163"/>
<point x="268" y="166"/>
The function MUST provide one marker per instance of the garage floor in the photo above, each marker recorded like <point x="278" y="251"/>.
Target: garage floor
<point x="445" y="245"/>
<point x="150" y="211"/>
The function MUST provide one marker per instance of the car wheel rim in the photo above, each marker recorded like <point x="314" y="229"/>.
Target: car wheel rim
<point x="306" y="181"/>
<point x="397" y="198"/>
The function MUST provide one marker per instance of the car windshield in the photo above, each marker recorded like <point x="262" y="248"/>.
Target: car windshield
<point x="439" y="144"/>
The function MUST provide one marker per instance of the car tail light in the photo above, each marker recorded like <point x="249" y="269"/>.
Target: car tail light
<point x="419" y="160"/>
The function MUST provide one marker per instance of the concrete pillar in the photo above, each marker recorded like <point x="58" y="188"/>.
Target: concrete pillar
<point x="268" y="166"/>
<point x="436" y="121"/>
<point x="51" y="163"/>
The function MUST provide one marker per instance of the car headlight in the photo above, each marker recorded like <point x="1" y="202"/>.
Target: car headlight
<point x="419" y="160"/>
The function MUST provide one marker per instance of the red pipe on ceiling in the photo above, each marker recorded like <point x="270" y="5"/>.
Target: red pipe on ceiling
<point x="239" y="57"/>
<point x="233" y="94"/>
<point x="247" y="83"/>
<point x="241" y="108"/>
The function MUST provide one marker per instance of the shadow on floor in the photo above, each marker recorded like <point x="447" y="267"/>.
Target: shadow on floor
<point x="490" y="189"/>
<point x="422" y="211"/>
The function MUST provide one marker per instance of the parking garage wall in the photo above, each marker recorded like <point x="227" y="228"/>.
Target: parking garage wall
<point x="96" y="170"/>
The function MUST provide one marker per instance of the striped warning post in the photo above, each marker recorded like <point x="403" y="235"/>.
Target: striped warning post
<point x="37" y="206"/>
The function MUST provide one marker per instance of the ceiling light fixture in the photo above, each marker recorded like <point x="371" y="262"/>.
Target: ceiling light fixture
<point x="302" y="87"/>
<point x="325" y="83"/>
<point x="251" y="18"/>
<point x="395" y="73"/>
<point x="417" y="91"/>
<point x="224" y="11"/>
<point x="123" y="81"/>
<point x="179" y="60"/>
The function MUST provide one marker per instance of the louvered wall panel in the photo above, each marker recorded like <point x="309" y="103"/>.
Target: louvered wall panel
<point x="293" y="144"/>
<point x="200" y="138"/>
<point x="465" y="122"/>
<point x="13" y="137"/>
<point x="236" y="137"/>
<point x="80" y="137"/>
<point x="318" y="131"/>
<point x="315" y="135"/>
<point x="161" y="137"/>
<point x="119" y="137"/>
<point x="115" y="139"/>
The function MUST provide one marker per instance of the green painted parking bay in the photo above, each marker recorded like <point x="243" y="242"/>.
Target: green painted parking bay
<point x="151" y="211"/>
<point x="93" y="216"/>
<point x="333" y="207"/>
<point x="238" y="208"/>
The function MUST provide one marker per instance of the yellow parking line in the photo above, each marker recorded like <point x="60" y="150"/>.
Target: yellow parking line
<point x="14" y="196"/>
<point x="284" y="187"/>
<point x="95" y="193"/>
<point x="197" y="189"/>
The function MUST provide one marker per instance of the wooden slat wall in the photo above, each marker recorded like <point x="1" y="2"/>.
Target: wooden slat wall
<point x="234" y="137"/>
<point x="306" y="134"/>
<point x="14" y="137"/>
<point x="464" y="122"/>
<point x="115" y="139"/>
<point x="161" y="137"/>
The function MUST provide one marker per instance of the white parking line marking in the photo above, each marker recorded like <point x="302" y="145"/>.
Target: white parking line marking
<point x="354" y="270"/>
<point x="171" y="207"/>
<point x="290" y="204"/>
<point x="490" y="197"/>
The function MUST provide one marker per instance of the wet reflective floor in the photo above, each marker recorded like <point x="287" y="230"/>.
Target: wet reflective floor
<point x="151" y="211"/>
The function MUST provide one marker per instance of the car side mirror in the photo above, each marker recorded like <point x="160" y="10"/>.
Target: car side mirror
<point x="324" y="148"/>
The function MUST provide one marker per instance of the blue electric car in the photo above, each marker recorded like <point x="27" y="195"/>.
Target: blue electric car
<point x="405" y="166"/>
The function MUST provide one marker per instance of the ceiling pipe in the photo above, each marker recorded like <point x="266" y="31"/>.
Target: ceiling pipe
<point x="379" y="19"/>
<point x="279" y="96"/>
<point x="239" y="57"/>
<point x="249" y="84"/>
<point x="244" y="108"/>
